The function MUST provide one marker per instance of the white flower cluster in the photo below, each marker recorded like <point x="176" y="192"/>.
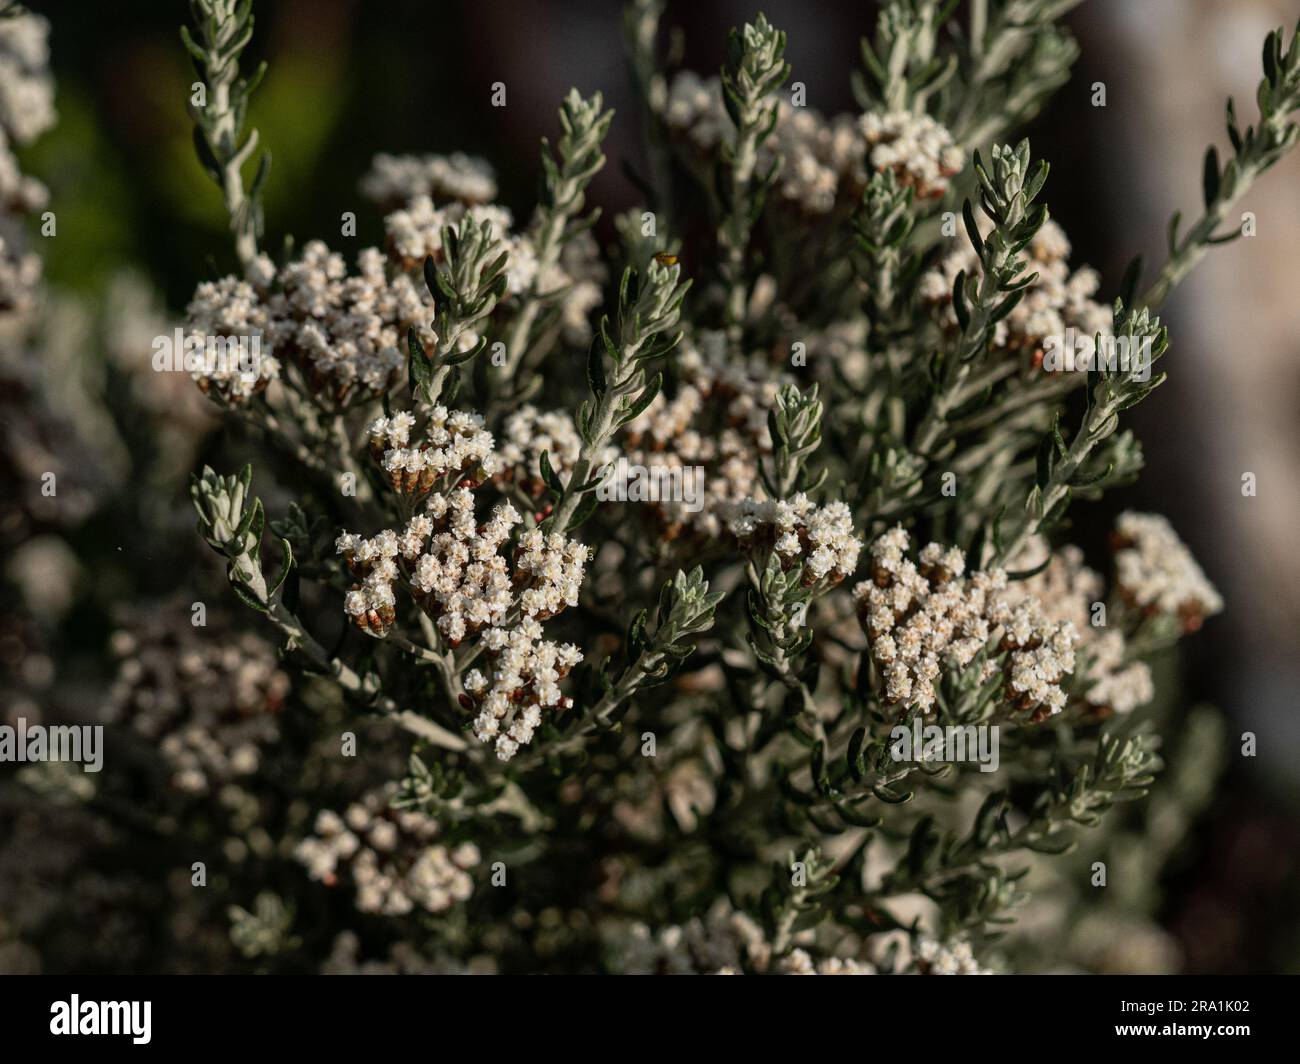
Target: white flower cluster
<point x="1157" y="573"/>
<point x="526" y="434"/>
<point x="820" y="538"/>
<point x="26" y="111"/>
<point x="224" y="310"/>
<point x="454" y="568"/>
<point x="550" y="569"/>
<point x="919" y="151"/>
<point x="919" y="619"/>
<point x="372" y="603"/>
<point x="526" y="671"/>
<point x="1058" y="300"/>
<point x="18" y="192"/>
<point x="799" y="962"/>
<point x="452" y="442"/>
<point x="415" y="233"/>
<point x="457" y="574"/>
<point x="946" y="958"/>
<point x="827" y="161"/>
<point x="26" y="88"/>
<point x="397" y="179"/>
<point x="824" y="158"/>
<point x="722" y="942"/>
<point x="346" y="332"/>
<point x="693" y="107"/>
<point x="717" y="420"/>
<point x="582" y="269"/>
<point x="462" y="582"/>
<point x="390" y="856"/>
<point x="838" y="352"/>
<point x="20" y="273"/>
<point x="1067" y="591"/>
<point x="1115" y="685"/>
<point x="209" y="704"/>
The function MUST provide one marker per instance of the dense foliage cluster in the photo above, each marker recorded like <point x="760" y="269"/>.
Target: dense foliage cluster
<point x="525" y="717"/>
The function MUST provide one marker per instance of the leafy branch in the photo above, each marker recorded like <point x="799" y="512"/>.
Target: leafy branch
<point x="789" y="910"/>
<point x="903" y="62"/>
<point x="1255" y="149"/>
<point x="1018" y="56"/>
<point x="754" y="70"/>
<point x="685" y="610"/>
<point x="565" y="176"/>
<point x="1064" y="470"/>
<point x="649" y="309"/>
<point x="795" y="425"/>
<point x="1008" y="189"/>
<point x="231" y="520"/>
<point x="466" y="287"/>
<point x="1121" y="770"/>
<point x="223" y="29"/>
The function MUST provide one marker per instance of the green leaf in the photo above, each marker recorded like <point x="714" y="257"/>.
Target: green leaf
<point x="1056" y="847"/>
<point x="891" y="797"/>
<point x="1085" y="481"/>
<point x="549" y="476"/>
<point x="1234" y="133"/>
<point x="250" y="84"/>
<point x="585" y="509"/>
<point x="817" y="767"/>
<point x="1058" y="441"/>
<point x="1045" y="462"/>
<point x="250" y="528"/>
<point x="986" y="821"/>
<point x="1007" y="306"/>
<point x="205" y="154"/>
<point x="596" y="368"/>
<point x="1025" y="574"/>
<point x="854" y="757"/>
<point x="858" y="820"/>
<point x="643" y="400"/>
<point x="959" y="301"/>
<point x="419" y="369"/>
<point x="635" y="640"/>
<point x="287" y="564"/>
<point x="199" y="55"/>
<point x="972" y="230"/>
<point x="456" y="358"/>
<point x="246" y="597"/>
<point x="1174" y="222"/>
<point x="259" y="178"/>
<point x="1210" y="179"/>
<point x="431" y="278"/>
<point x="627" y="289"/>
<point x="1271" y="48"/>
<point x="923" y="848"/>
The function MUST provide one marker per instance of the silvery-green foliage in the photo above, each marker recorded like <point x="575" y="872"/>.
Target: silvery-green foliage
<point x="222" y="30"/>
<point x="673" y="728"/>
